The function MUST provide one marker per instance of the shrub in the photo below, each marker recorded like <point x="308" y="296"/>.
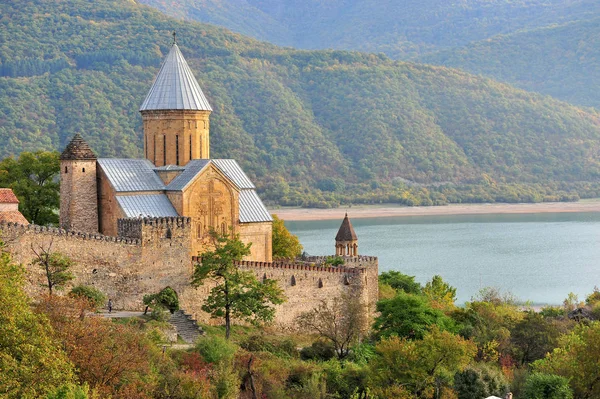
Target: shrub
<point x="547" y="386"/>
<point x="319" y="350"/>
<point x="480" y="381"/>
<point x="215" y="349"/>
<point x="93" y="295"/>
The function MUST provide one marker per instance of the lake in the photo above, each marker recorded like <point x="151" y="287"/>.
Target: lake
<point x="537" y="257"/>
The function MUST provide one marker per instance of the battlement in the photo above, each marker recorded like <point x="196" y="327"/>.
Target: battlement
<point x="138" y="228"/>
<point x="297" y="265"/>
<point x="10" y="229"/>
<point x="347" y="259"/>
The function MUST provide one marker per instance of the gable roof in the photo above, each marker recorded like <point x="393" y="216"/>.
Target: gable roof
<point x="190" y="170"/>
<point x="7" y="196"/>
<point x="146" y="205"/>
<point x="346" y="231"/>
<point x="229" y="167"/>
<point x="175" y="87"/>
<point x="131" y="175"/>
<point x="77" y="149"/>
<point x="13" y="217"/>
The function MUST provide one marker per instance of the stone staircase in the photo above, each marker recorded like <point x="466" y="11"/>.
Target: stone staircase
<point x="186" y="327"/>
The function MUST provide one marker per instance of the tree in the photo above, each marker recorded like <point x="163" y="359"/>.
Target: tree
<point x="480" y="381"/>
<point x="441" y="294"/>
<point x="341" y="321"/>
<point x="237" y="294"/>
<point x="285" y="244"/>
<point x="399" y="281"/>
<point x="55" y="266"/>
<point x="33" y="178"/>
<point x="547" y="386"/>
<point x="533" y="337"/>
<point x="409" y="316"/>
<point x="32" y="362"/>
<point x="166" y="298"/>
<point x="91" y="294"/>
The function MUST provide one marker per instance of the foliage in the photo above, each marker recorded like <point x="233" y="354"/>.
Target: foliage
<point x="165" y="299"/>
<point x="480" y="381"/>
<point x="92" y="294"/>
<point x="33" y="178"/>
<point x="533" y="337"/>
<point x="318" y="350"/>
<point x="238" y="294"/>
<point x="215" y="349"/>
<point x="399" y="281"/>
<point x="334" y="261"/>
<point x="409" y="316"/>
<point x="54" y="265"/>
<point x="441" y="294"/>
<point x="341" y="321"/>
<point x="420" y="366"/>
<point x="32" y="362"/>
<point x="422" y="136"/>
<point x="71" y="391"/>
<point x="547" y="386"/>
<point x="576" y="359"/>
<point x="285" y="244"/>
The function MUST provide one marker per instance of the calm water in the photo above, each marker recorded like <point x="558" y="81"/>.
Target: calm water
<point x="538" y="258"/>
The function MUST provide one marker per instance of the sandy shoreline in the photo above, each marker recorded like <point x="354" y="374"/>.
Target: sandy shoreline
<point x="373" y="211"/>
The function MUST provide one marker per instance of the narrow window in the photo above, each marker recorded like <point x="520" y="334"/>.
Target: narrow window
<point x="223" y="228"/>
<point x="164" y="149"/>
<point x="83" y="170"/>
<point x="320" y="283"/>
<point x="177" y="149"/>
<point x="293" y="282"/>
<point x="199" y="230"/>
<point x="66" y="170"/>
<point x="154" y="149"/>
<point x="190" y="147"/>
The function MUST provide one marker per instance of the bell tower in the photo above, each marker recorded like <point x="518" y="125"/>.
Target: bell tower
<point x="346" y="240"/>
<point x="175" y="115"/>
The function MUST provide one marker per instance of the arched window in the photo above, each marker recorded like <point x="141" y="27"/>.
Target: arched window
<point x="66" y="170"/>
<point x="83" y="170"/>
<point x="169" y="233"/>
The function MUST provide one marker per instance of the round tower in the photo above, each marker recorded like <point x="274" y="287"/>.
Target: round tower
<point x="175" y="115"/>
<point x="78" y="188"/>
<point x="346" y="240"/>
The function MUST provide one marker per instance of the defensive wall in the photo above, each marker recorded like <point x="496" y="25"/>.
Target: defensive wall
<point x="153" y="253"/>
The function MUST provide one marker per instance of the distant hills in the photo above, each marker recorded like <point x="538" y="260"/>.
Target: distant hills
<point x="312" y="128"/>
<point x="547" y="46"/>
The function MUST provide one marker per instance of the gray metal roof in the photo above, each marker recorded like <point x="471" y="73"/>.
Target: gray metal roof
<point x="232" y="170"/>
<point x="131" y="175"/>
<point x="252" y="209"/>
<point x="146" y="205"/>
<point x="192" y="168"/>
<point x="175" y="87"/>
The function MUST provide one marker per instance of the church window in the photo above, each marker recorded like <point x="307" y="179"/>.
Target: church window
<point x="164" y="149"/>
<point x="190" y="146"/>
<point x="177" y="149"/>
<point x="154" y="148"/>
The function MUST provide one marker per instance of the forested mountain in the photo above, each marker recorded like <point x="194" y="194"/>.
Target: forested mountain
<point x="547" y="46"/>
<point x="310" y="127"/>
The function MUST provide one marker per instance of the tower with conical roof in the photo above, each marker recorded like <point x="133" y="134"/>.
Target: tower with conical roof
<point x="78" y="187"/>
<point x="346" y="240"/>
<point x="175" y="114"/>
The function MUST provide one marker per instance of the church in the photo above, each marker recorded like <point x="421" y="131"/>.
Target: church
<point x="177" y="178"/>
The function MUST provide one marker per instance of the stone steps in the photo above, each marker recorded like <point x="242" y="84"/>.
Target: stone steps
<point x="186" y="327"/>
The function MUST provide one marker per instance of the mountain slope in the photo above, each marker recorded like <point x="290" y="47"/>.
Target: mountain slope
<point x="310" y="127"/>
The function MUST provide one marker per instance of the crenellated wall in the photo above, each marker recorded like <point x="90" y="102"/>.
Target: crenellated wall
<point x="152" y="253"/>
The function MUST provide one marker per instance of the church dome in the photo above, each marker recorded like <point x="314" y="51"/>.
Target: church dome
<point x="175" y="87"/>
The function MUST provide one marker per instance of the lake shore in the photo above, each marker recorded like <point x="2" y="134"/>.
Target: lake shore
<point x="381" y="211"/>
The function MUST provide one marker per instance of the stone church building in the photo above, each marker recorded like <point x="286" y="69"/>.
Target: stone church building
<point x="177" y="179"/>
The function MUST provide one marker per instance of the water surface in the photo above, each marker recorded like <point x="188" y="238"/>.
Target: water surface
<point x="537" y="257"/>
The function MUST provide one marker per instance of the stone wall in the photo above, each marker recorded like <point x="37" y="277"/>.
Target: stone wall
<point x="156" y="255"/>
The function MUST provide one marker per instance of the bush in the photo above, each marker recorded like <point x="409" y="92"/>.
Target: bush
<point x="547" y="386"/>
<point x="319" y="350"/>
<point x="93" y="295"/>
<point x="215" y="349"/>
<point x="480" y="381"/>
<point x="260" y="343"/>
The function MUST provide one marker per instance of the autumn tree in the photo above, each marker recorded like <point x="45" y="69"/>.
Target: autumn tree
<point x="440" y="294"/>
<point x="55" y="266"/>
<point x="32" y="362"/>
<point x="285" y="244"/>
<point x="341" y="321"/>
<point x="237" y="293"/>
<point x="33" y="178"/>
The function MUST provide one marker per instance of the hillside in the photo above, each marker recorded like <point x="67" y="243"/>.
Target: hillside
<point x="310" y="127"/>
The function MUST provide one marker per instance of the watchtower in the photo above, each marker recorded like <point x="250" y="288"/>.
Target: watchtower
<point x="346" y="240"/>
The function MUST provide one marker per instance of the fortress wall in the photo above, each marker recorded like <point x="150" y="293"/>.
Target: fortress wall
<point x="126" y="269"/>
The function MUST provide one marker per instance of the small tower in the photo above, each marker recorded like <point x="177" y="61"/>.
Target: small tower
<point x="78" y="188"/>
<point x="346" y="240"/>
<point x="175" y="114"/>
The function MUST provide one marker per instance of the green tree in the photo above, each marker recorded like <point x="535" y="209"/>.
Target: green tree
<point x="166" y="298"/>
<point x="533" y="337"/>
<point x="55" y="266"/>
<point x="480" y="381"/>
<point x="237" y="293"/>
<point x="32" y="363"/>
<point x="285" y="244"/>
<point x="92" y="294"/>
<point x="441" y="294"/>
<point x="409" y="316"/>
<point x="547" y="386"/>
<point x="399" y="281"/>
<point x="33" y="178"/>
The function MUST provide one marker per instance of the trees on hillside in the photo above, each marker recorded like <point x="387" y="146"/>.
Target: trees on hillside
<point x="237" y="293"/>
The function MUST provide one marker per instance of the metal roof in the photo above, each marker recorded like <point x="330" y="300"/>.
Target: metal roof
<point x="192" y="168"/>
<point x="146" y="205"/>
<point x="252" y="209"/>
<point x="232" y="170"/>
<point x="175" y="87"/>
<point x="130" y="175"/>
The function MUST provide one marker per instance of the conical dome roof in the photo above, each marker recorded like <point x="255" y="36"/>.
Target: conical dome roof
<point x="346" y="231"/>
<point x="175" y="87"/>
<point x="77" y="149"/>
